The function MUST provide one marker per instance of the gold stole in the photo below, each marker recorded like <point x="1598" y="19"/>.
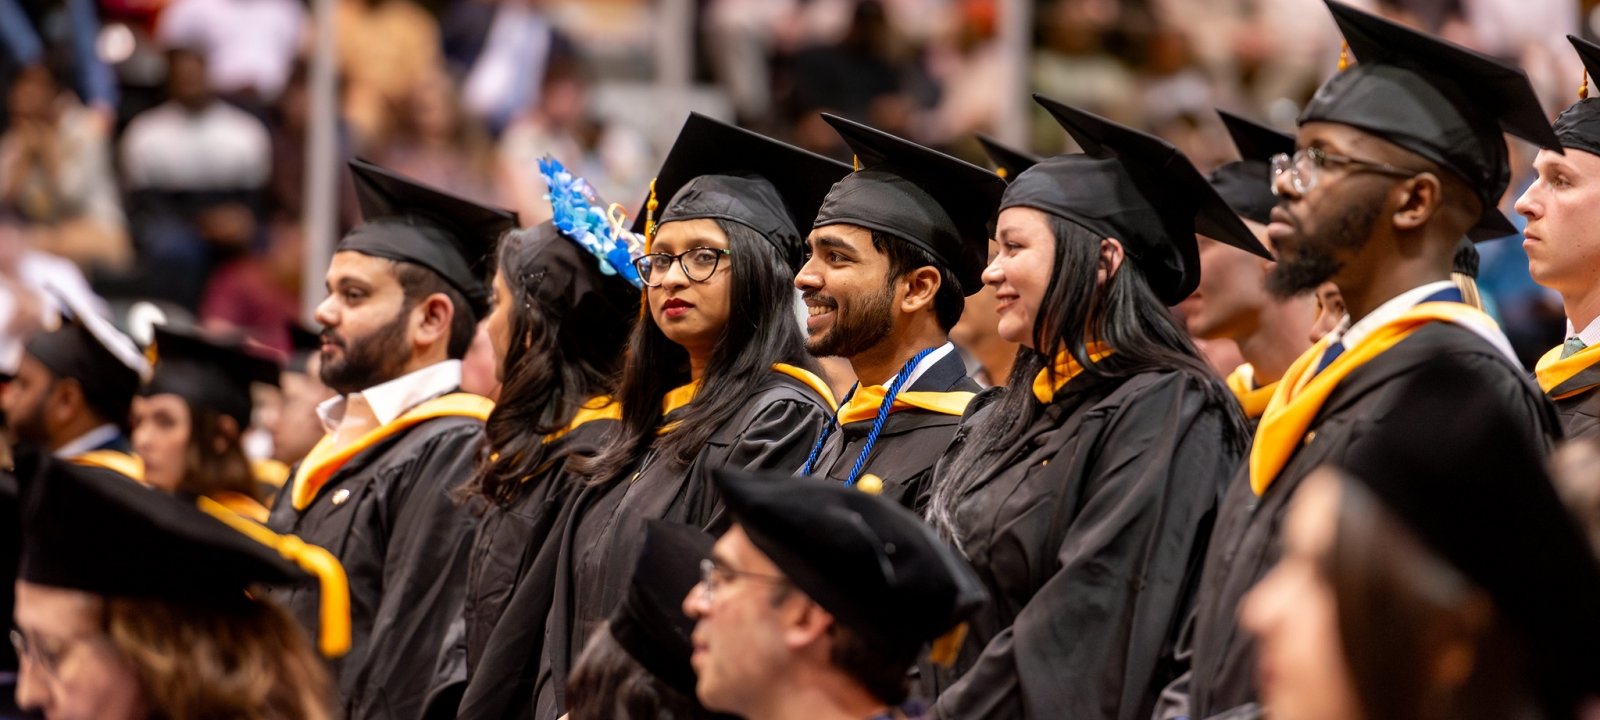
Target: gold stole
<point x="684" y="394"/>
<point x="129" y="466"/>
<point x="1300" y="394"/>
<point x="323" y="460"/>
<point x="1066" y="368"/>
<point x="1253" y="399"/>
<point x="1554" y="372"/>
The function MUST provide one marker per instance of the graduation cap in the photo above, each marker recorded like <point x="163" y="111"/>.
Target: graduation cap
<point x="1579" y="126"/>
<point x="207" y="372"/>
<point x="876" y="567"/>
<point x="1009" y="162"/>
<point x="650" y="624"/>
<point x="102" y="534"/>
<point x="88" y="349"/>
<point x="1246" y="184"/>
<point x="1436" y="99"/>
<point x="936" y="202"/>
<point x="303" y="343"/>
<point x="1494" y="515"/>
<point x="578" y="266"/>
<point x="718" y="171"/>
<point x="1138" y="189"/>
<point x="407" y="220"/>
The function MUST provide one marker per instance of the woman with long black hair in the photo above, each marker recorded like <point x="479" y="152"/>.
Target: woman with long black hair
<point x="1083" y="491"/>
<point x="716" y="374"/>
<point x="564" y="301"/>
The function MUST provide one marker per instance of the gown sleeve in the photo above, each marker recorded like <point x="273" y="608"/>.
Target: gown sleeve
<point x="1095" y="640"/>
<point x="424" y="579"/>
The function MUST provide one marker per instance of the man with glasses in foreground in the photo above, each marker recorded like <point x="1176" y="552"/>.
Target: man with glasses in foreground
<point x="818" y="599"/>
<point x="1399" y="158"/>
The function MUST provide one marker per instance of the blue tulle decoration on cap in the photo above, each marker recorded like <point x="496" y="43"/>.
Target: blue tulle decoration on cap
<point x="601" y="229"/>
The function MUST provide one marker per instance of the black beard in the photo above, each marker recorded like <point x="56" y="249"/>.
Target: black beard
<point x="377" y="358"/>
<point x="1316" y="259"/>
<point x="856" y="331"/>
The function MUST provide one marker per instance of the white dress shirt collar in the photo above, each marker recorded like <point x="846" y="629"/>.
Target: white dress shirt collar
<point x="390" y="400"/>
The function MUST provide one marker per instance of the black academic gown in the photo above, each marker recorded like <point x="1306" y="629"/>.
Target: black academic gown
<point x="1580" y="413"/>
<point x="505" y="548"/>
<point x="910" y="443"/>
<point x="387" y="515"/>
<point x="775" y="431"/>
<point x="1088" y="536"/>
<point x="1246" y="544"/>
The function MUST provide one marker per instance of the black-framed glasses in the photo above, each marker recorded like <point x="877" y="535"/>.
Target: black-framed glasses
<point x="714" y="575"/>
<point x="1305" y="168"/>
<point x="698" y="264"/>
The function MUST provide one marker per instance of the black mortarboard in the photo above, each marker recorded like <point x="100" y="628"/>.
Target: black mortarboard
<point x="407" y="220"/>
<point x="88" y="349"/>
<point x="876" y="567"/>
<point x="1008" y="161"/>
<point x="1246" y="184"/>
<point x="722" y="172"/>
<point x="936" y="202"/>
<point x="1436" y="99"/>
<point x="1138" y="189"/>
<point x="207" y="372"/>
<point x="102" y="534"/>
<point x="593" y="310"/>
<point x="1579" y="126"/>
<point x="1473" y="487"/>
<point x="650" y="623"/>
<point x="303" y="344"/>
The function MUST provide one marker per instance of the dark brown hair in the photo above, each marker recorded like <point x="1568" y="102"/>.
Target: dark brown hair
<point x="208" y="470"/>
<point x="1399" y="607"/>
<point x="608" y="684"/>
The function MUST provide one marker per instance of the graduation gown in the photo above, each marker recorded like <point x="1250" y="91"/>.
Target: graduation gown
<point x="505" y="548"/>
<point x="1246" y="544"/>
<point x="387" y="515"/>
<point x="910" y="443"/>
<point x="1088" y="535"/>
<point x="1573" y="385"/>
<point x="775" y="431"/>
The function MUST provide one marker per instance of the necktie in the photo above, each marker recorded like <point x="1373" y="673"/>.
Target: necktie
<point x="1328" y="355"/>
<point x="1571" y="347"/>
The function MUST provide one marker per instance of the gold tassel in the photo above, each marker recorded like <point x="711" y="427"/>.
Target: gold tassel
<point x="151" y="354"/>
<point x="334" y="618"/>
<point x="1344" y="56"/>
<point x="1583" y="89"/>
<point x="1001" y="172"/>
<point x="945" y="647"/>
<point x="650" y="215"/>
<point x="855" y="160"/>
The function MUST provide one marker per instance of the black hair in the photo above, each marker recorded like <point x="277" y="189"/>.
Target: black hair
<point x="762" y="329"/>
<point x="1124" y="313"/>
<point x="904" y="257"/>
<point x="544" y="382"/>
<point x="885" y="678"/>
<point x="608" y="684"/>
<point x="418" y="282"/>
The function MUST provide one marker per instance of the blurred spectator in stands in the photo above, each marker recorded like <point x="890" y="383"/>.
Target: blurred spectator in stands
<point x="433" y="140"/>
<point x="256" y="292"/>
<point x="508" y="72"/>
<point x="195" y="167"/>
<point x="861" y="77"/>
<point x="1079" y="64"/>
<point x="250" y="45"/>
<point x="385" y="47"/>
<point x="286" y="187"/>
<point x="55" y="169"/>
<point x="30" y="283"/>
<point x="33" y="33"/>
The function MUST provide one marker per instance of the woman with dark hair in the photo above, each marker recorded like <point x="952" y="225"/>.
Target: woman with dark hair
<point x="716" y="374"/>
<point x="189" y="420"/>
<point x="1419" y="584"/>
<point x="561" y="313"/>
<point x="1083" y="491"/>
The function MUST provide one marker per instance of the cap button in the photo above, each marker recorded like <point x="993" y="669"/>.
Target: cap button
<point x="870" y="484"/>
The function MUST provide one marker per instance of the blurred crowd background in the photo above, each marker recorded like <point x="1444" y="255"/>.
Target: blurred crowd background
<point x="157" y="149"/>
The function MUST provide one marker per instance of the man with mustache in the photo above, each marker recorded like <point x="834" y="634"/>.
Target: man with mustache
<point x="1399" y="157"/>
<point x="1232" y="301"/>
<point x="406" y="290"/>
<point x="896" y="247"/>
<point x="1563" y="210"/>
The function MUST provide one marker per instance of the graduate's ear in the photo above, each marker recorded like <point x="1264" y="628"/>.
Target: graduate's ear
<point x="805" y="622"/>
<point x="66" y="399"/>
<point x="922" y="285"/>
<point x="430" y="321"/>
<point x="1420" y="200"/>
<point x="1111" y="256"/>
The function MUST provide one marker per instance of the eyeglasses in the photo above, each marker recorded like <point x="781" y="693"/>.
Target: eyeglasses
<point x="1305" y="167"/>
<point x="713" y="575"/>
<point x="698" y="265"/>
<point x="47" y="658"/>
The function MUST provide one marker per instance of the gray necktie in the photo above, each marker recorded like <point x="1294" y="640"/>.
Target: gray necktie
<point x="1571" y="347"/>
